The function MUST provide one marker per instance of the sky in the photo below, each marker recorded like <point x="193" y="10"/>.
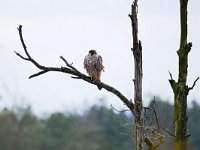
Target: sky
<point x="71" y="28"/>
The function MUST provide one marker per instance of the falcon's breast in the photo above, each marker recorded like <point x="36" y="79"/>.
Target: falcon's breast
<point x="94" y="66"/>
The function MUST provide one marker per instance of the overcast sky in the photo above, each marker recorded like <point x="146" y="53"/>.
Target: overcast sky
<point x="71" y="28"/>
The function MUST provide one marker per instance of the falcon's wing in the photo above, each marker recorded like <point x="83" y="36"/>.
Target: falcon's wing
<point x="85" y="63"/>
<point x="100" y="62"/>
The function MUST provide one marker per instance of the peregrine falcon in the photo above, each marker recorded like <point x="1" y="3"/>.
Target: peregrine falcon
<point x="93" y="65"/>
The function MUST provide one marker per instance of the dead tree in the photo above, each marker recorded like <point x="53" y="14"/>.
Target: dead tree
<point x="180" y="87"/>
<point x="137" y="53"/>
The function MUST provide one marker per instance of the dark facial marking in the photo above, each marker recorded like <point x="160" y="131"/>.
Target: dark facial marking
<point x="92" y="52"/>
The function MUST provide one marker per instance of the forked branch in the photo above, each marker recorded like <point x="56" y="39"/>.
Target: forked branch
<point x="69" y="69"/>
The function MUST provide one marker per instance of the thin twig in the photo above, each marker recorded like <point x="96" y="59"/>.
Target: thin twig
<point x="120" y="111"/>
<point x="37" y="74"/>
<point x="190" y="88"/>
<point x="171" y="134"/>
<point x="22" y="41"/>
<point x="21" y="56"/>
<point x="170" y="75"/>
<point x="122" y="119"/>
<point x="126" y="134"/>
<point x="173" y="83"/>
<point x="68" y="65"/>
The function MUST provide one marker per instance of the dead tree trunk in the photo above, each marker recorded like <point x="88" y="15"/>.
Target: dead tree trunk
<point x="180" y="88"/>
<point x="137" y="53"/>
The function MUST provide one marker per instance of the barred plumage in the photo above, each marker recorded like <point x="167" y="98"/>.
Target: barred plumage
<point x="93" y="64"/>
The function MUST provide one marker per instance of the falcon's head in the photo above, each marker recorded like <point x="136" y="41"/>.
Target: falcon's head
<point x="92" y="52"/>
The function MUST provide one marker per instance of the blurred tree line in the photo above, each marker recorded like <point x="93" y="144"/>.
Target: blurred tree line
<point x="99" y="128"/>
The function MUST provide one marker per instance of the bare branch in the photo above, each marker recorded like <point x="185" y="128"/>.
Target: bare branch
<point x="21" y="56"/>
<point x="37" y="74"/>
<point x="68" y="65"/>
<point x="120" y="111"/>
<point x="123" y="119"/>
<point x="73" y="71"/>
<point x="22" y="41"/>
<point x="190" y="88"/>
<point x="170" y="75"/>
<point x="127" y="134"/>
<point x="25" y="49"/>
<point x="173" y="83"/>
<point x="171" y="134"/>
<point x="126" y="124"/>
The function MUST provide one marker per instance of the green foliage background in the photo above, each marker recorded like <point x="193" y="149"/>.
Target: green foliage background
<point x="99" y="128"/>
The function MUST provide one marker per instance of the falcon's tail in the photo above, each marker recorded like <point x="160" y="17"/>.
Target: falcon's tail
<point x="96" y="78"/>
